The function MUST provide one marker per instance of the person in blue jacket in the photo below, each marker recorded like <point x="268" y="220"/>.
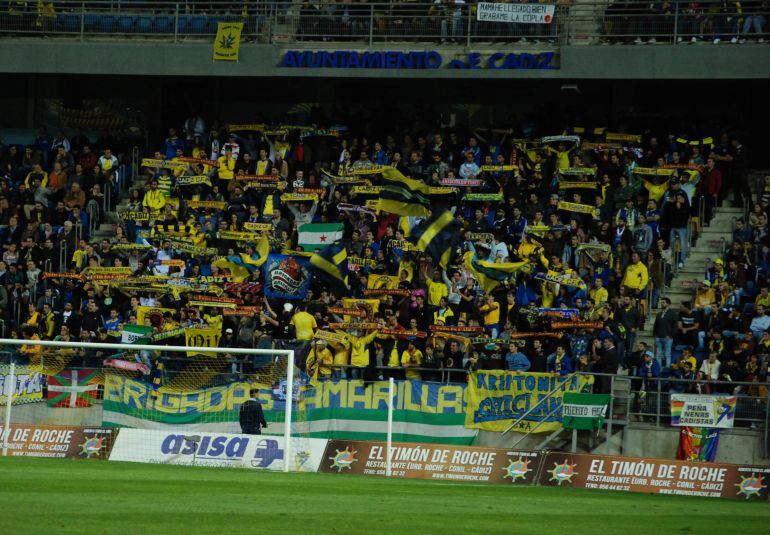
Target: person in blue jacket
<point x="515" y="360"/>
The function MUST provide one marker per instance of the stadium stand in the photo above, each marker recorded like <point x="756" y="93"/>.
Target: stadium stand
<point x="484" y="247"/>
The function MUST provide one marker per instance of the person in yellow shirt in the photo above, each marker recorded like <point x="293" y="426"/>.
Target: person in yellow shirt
<point x="442" y="312"/>
<point x="491" y="312"/>
<point x="319" y="361"/>
<point x="304" y="324"/>
<point x="598" y="293"/>
<point x="412" y="358"/>
<point x="359" y="353"/>
<point x="37" y="172"/>
<point x="154" y="200"/>
<point x="341" y="358"/>
<point x="436" y="289"/>
<point x="705" y="300"/>
<point x="226" y="165"/>
<point x="636" y="276"/>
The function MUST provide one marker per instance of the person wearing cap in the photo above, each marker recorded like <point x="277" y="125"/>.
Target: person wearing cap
<point x="649" y="368"/>
<point x="705" y="301"/>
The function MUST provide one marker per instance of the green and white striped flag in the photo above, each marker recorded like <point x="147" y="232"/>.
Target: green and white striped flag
<point x="135" y="334"/>
<point x="584" y="411"/>
<point x="314" y="236"/>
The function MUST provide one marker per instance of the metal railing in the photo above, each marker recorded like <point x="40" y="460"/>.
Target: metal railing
<point x="593" y="21"/>
<point x="650" y="398"/>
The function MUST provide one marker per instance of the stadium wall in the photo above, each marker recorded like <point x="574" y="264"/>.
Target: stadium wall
<point x="749" y="61"/>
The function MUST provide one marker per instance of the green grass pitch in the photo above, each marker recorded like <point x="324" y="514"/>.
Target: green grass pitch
<point x="75" y="496"/>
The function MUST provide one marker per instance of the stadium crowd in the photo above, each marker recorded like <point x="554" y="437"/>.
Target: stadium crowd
<point x="457" y="249"/>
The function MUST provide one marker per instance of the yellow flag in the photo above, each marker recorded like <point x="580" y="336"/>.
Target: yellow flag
<point x="202" y="337"/>
<point x="227" y="44"/>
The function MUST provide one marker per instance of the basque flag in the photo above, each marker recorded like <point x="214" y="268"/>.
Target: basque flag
<point x="73" y="388"/>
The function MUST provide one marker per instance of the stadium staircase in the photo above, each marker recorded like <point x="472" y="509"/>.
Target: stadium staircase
<point x="710" y="245"/>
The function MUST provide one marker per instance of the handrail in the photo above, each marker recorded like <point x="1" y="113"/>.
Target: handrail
<point x="536" y="405"/>
<point x="585" y="22"/>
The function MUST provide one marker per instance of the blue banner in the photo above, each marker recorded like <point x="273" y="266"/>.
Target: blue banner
<point x="287" y="277"/>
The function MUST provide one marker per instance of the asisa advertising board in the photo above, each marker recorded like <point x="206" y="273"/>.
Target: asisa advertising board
<point x="216" y="449"/>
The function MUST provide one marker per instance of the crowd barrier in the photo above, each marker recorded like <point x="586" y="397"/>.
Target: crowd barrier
<point x="416" y="461"/>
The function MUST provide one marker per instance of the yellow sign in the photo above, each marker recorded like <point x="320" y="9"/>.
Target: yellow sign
<point x="205" y="337"/>
<point x="227" y="44"/>
<point x="496" y="398"/>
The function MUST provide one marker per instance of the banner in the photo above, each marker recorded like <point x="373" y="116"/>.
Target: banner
<point x="201" y="337"/>
<point x="73" y="388"/>
<point x="496" y="398"/>
<point x="575" y="207"/>
<point x="429" y="461"/>
<point x="213" y="205"/>
<point x="287" y="277"/>
<point x="195" y="181"/>
<point x="28" y="388"/>
<point x="515" y="13"/>
<point x="655" y="476"/>
<point x="227" y="43"/>
<point x="345" y="409"/>
<point x="129" y="365"/>
<point x="584" y="411"/>
<point x="57" y="441"/>
<point x="703" y="411"/>
<point x="697" y="444"/>
<point x="216" y="449"/>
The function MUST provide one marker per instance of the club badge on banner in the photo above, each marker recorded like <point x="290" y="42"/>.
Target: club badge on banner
<point x="656" y="476"/>
<point x="287" y="277"/>
<point x="432" y="461"/>
<point x="703" y="411"/>
<point x="28" y="388"/>
<point x="496" y="398"/>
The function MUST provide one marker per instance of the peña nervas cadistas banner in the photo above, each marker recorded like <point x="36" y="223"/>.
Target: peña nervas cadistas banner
<point x="656" y="476"/>
<point x="433" y="461"/>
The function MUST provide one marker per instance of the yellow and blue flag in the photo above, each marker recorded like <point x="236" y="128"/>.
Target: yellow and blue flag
<point x="490" y="274"/>
<point x="403" y="196"/>
<point x="331" y="265"/>
<point x="437" y="236"/>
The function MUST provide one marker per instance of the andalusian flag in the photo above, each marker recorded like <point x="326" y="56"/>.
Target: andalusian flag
<point x="403" y="196"/>
<point x="490" y="274"/>
<point x="331" y="265"/>
<point x="437" y="236"/>
<point x="584" y="411"/>
<point x="227" y="44"/>
<point x="72" y="388"/>
<point x="136" y="334"/>
<point x="314" y="236"/>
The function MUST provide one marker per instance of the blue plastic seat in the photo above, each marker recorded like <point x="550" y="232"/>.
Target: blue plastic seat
<point x="107" y="24"/>
<point x="198" y="25"/>
<point x="144" y="24"/>
<point x="126" y="24"/>
<point x="91" y="21"/>
<point x="68" y="22"/>
<point x="164" y="24"/>
<point x="183" y="24"/>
